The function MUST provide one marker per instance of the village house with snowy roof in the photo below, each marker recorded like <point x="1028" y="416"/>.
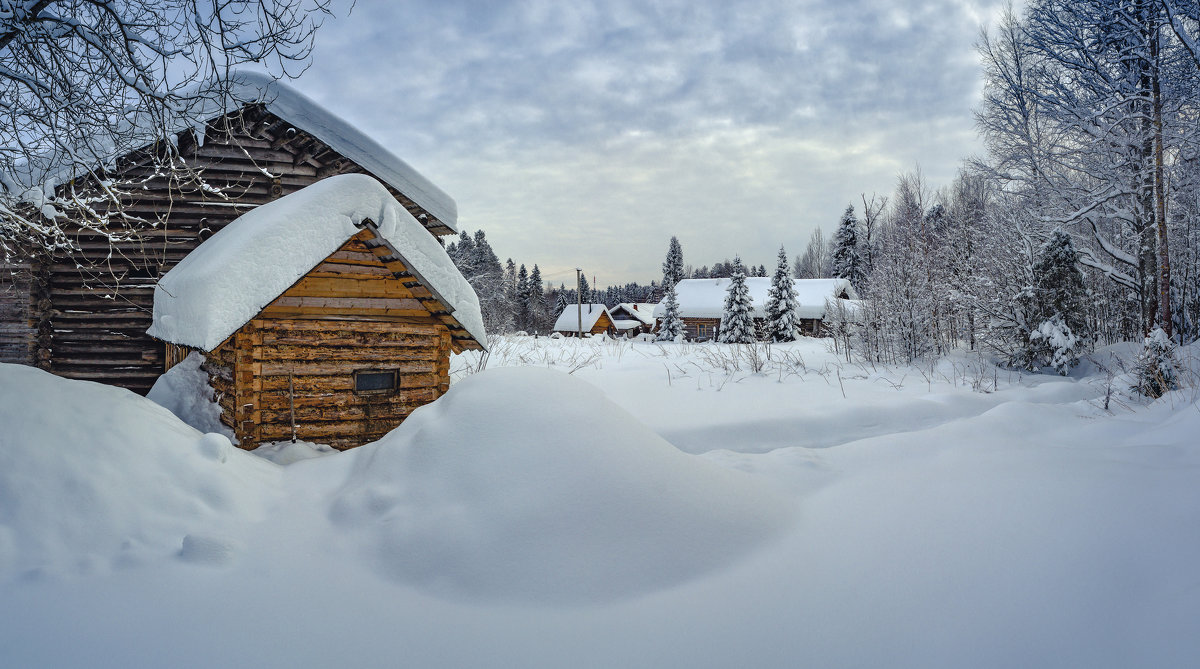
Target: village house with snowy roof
<point x="633" y="318"/>
<point x="702" y="302"/>
<point x="84" y="314"/>
<point x="590" y="319"/>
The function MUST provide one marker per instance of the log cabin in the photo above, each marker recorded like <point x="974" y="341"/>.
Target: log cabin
<point x="83" y="313"/>
<point x="633" y="318"/>
<point x="328" y="315"/>
<point x="595" y="320"/>
<point x="702" y="301"/>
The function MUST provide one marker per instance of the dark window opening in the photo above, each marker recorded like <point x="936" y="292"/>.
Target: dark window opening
<point x="374" y="382"/>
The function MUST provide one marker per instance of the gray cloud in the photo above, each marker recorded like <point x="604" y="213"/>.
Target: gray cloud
<point x="589" y="132"/>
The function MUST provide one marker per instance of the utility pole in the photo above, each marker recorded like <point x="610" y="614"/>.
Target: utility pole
<point x="579" y="298"/>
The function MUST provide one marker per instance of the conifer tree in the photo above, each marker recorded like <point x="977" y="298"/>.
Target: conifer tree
<point x="782" y="321"/>
<point x="847" y="261"/>
<point x="560" y="305"/>
<point x="524" y="305"/>
<point x="585" y="290"/>
<point x="1059" y="331"/>
<point x="537" y="300"/>
<point x="737" y="319"/>
<point x="673" y="265"/>
<point x="671" y="326"/>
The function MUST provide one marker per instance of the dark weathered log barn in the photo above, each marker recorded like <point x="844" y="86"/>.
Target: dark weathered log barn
<point x="328" y="316"/>
<point x="84" y="314"/>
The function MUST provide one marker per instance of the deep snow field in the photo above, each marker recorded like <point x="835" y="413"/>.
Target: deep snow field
<point x="617" y="504"/>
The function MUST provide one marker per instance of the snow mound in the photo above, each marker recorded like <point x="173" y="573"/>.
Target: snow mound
<point x="513" y="486"/>
<point x="184" y="391"/>
<point x="94" y="476"/>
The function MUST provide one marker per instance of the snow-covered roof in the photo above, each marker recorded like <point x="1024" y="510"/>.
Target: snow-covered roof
<point x="230" y="277"/>
<point x="705" y="298"/>
<point x="569" y="319"/>
<point x="623" y="324"/>
<point x="289" y="104"/>
<point x="642" y="311"/>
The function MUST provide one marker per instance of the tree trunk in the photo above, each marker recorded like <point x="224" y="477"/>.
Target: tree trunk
<point x="1160" y="198"/>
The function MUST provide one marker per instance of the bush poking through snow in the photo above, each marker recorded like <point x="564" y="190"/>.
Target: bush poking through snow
<point x="1157" y="369"/>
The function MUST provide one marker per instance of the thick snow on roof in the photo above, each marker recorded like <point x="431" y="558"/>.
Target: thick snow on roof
<point x="229" y="278"/>
<point x="643" y="311"/>
<point x="568" y="320"/>
<point x="623" y="324"/>
<point x="289" y="104"/>
<point x="705" y="298"/>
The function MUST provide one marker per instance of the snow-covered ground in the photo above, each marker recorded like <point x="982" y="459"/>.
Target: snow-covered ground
<point x="617" y="504"/>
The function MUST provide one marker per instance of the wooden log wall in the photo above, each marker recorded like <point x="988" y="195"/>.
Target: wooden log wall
<point x="278" y="372"/>
<point x="701" y="328"/>
<point x="98" y="302"/>
<point x="17" y="327"/>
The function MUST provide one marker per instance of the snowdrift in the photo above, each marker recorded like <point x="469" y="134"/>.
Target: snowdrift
<point x="93" y="476"/>
<point x="515" y="486"/>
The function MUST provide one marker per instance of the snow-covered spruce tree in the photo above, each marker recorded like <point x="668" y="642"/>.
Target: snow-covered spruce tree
<point x="847" y="261"/>
<point x="1157" y="370"/>
<point x="782" y="321"/>
<point x="673" y="265"/>
<point x="585" y="289"/>
<point x="737" y="319"/>
<point x="537" y="301"/>
<point x="1059" y="331"/>
<point x="560" y="304"/>
<point x="523" y="301"/>
<point x="670" y="327"/>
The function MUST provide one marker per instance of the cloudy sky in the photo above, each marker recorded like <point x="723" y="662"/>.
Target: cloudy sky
<point x="587" y="133"/>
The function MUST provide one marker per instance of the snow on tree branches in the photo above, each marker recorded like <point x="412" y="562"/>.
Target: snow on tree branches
<point x="847" y="261"/>
<point x="737" y="320"/>
<point x="782" y="321"/>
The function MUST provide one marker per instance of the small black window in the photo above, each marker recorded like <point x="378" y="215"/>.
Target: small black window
<point x="374" y="382"/>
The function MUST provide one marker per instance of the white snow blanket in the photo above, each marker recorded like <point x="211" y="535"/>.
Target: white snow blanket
<point x="229" y="278"/>
<point x="946" y="516"/>
<point x="285" y="102"/>
<point x="705" y="298"/>
<point x="570" y="319"/>
<point x="465" y="500"/>
<point x="94" y="477"/>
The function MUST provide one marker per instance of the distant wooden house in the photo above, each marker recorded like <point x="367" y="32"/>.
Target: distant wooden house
<point x="594" y="318"/>
<point x="702" y="301"/>
<point x="633" y="318"/>
<point x="84" y="314"/>
<point x="328" y="315"/>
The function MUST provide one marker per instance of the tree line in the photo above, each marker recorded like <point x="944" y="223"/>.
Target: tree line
<point x="1079" y="225"/>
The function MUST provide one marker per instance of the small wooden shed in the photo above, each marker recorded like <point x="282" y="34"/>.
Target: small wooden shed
<point x="328" y="315"/>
